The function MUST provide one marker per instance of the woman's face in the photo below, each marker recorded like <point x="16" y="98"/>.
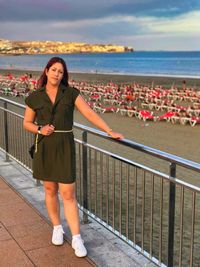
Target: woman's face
<point x="55" y="74"/>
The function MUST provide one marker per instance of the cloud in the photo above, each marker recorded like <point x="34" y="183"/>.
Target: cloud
<point x="124" y="22"/>
<point x="186" y="23"/>
<point x="72" y="10"/>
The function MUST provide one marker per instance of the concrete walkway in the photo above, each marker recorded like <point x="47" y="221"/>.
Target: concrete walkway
<point x="25" y="230"/>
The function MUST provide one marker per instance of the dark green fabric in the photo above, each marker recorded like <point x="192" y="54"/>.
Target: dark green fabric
<point x="55" y="158"/>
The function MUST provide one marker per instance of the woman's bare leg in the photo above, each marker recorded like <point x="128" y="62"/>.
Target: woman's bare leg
<point x="52" y="202"/>
<point x="67" y="192"/>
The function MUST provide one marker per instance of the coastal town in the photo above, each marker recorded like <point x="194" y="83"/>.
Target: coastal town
<point x="8" y="47"/>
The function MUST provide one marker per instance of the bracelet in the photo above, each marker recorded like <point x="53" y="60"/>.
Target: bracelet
<point x="39" y="129"/>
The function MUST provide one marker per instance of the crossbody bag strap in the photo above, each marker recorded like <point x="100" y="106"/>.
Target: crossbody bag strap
<point x="37" y="140"/>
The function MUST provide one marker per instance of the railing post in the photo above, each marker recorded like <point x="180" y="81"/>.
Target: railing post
<point x="6" y="130"/>
<point x="171" y="218"/>
<point x="85" y="173"/>
<point x="38" y="183"/>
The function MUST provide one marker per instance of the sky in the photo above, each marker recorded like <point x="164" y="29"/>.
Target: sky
<point x="141" y="24"/>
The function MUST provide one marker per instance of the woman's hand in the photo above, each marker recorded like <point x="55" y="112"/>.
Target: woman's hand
<point x="115" y="135"/>
<point x="47" y="129"/>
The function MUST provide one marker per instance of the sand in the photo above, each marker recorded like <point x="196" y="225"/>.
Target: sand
<point x="180" y="140"/>
<point x="144" y="80"/>
<point x="161" y="135"/>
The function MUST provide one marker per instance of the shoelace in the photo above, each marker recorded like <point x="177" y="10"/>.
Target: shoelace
<point x="56" y="230"/>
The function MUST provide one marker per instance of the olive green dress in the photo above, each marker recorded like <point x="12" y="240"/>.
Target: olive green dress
<point x="55" y="157"/>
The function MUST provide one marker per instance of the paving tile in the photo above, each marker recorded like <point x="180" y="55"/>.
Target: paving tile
<point x="62" y="256"/>
<point x="3" y="185"/>
<point x="32" y="236"/>
<point x="12" y="256"/>
<point x="25" y="236"/>
<point x="17" y="214"/>
<point x="25" y="229"/>
<point x="4" y="234"/>
<point x="9" y="197"/>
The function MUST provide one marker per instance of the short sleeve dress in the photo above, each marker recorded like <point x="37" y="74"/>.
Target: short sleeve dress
<point x="55" y="157"/>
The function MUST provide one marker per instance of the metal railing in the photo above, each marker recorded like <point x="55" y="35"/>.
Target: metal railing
<point x="148" y="207"/>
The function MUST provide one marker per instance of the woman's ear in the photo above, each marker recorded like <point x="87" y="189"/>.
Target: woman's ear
<point x="46" y="71"/>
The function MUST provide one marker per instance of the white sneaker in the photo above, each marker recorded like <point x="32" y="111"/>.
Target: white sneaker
<point x="57" y="236"/>
<point x="77" y="245"/>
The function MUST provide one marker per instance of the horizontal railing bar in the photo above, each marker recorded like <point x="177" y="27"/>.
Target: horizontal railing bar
<point x="12" y="112"/>
<point x="148" y="150"/>
<point x="12" y="102"/>
<point x="147" y="169"/>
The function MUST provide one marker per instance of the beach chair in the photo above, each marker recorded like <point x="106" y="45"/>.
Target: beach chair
<point x="123" y="111"/>
<point x="194" y="120"/>
<point x="97" y="109"/>
<point x="184" y="117"/>
<point x="176" y="118"/>
<point x="145" y="105"/>
<point x="185" y="120"/>
<point x="145" y="115"/>
<point x="132" y="113"/>
<point x="91" y="104"/>
<point x="109" y="109"/>
<point x="166" y="117"/>
<point x="197" y="112"/>
<point x="95" y="97"/>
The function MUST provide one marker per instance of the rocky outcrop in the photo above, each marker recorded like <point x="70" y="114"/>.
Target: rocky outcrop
<point x="48" y="47"/>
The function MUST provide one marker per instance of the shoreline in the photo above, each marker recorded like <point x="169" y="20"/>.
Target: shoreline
<point x="165" y="81"/>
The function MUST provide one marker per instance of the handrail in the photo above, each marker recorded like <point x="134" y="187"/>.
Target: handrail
<point x="12" y="102"/>
<point x="146" y="149"/>
<point x="192" y="165"/>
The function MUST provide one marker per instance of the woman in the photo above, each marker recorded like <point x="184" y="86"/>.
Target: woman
<point x="52" y="106"/>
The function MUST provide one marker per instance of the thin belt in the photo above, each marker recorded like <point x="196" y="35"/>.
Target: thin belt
<point x="63" y="131"/>
<point x="56" y="131"/>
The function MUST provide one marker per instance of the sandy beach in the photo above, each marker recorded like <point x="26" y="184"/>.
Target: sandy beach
<point x="177" y="139"/>
<point x="181" y="140"/>
<point x="166" y="82"/>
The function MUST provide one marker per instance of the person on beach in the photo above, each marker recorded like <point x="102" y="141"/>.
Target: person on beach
<point x="52" y="106"/>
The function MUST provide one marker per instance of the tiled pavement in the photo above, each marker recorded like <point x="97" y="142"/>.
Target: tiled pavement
<point x="25" y="232"/>
<point x="25" y="236"/>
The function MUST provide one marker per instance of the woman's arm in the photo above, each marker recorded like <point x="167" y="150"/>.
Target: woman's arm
<point x="29" y="125"/>
<point x="29" y="118"/>
<point x="93" y="117"/>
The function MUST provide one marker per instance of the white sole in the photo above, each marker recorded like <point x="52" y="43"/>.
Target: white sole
<point x="57" y="244"/>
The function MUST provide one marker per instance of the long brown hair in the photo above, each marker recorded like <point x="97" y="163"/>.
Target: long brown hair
<point x="42" y="81"/>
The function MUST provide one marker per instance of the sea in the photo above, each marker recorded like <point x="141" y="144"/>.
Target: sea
<point x="156" y="63"/>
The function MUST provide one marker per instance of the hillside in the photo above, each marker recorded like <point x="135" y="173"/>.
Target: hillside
<point x="48" y="47"/>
